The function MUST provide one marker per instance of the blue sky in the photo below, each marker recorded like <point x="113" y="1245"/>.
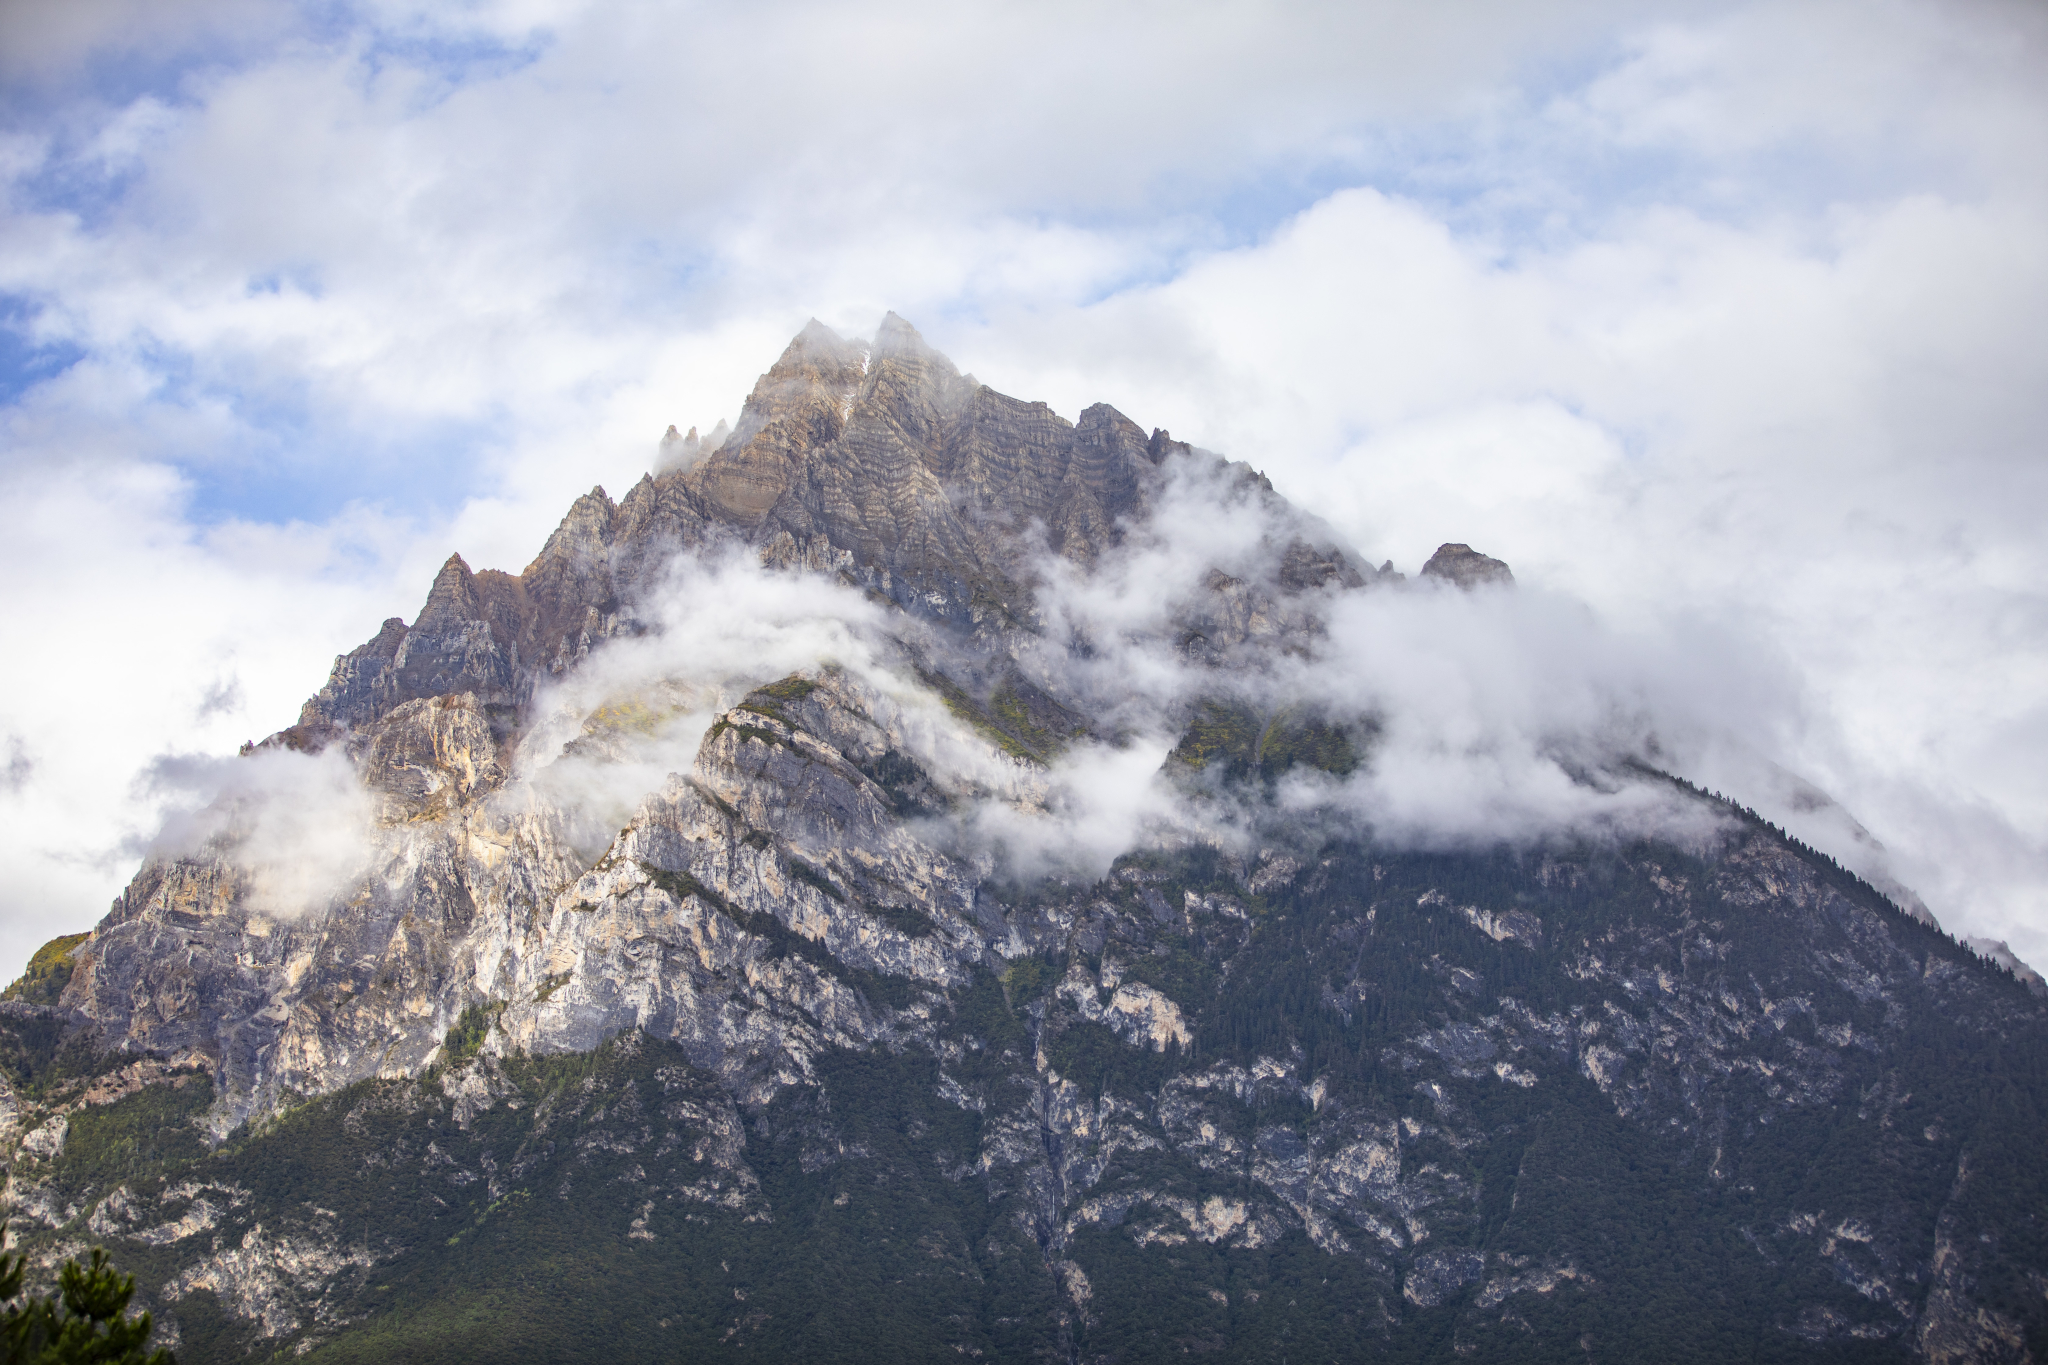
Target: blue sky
<point x="1710" y="312"/>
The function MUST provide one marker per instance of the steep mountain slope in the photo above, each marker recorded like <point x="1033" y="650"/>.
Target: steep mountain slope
<point x="882" y="463"/>
<point x="807" y="1052"/>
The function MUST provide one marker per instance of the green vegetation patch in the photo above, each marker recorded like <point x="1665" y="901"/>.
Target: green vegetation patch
<point x="795" y="687"/>
<point x="1024" y="979"/>
<point x="984" y="1011"/>
<point x="149" y="1132"/>
<point x="44" y="1057"/>
<point x="48" y="971"/>
<point x="471" y="1026"/>
<point x="1180" y="974"/>
<point x="632" y="714"/>
<point x="907" y="785"/>
<point x="770" y="700"/>
<point x="745" y="731"/>
<point x="1222" y="735"/>
<point x="1032" y="717"/>
<point x="1231" y="738"/>
<point x="1295" y="738"/>
<point x="905" y="919"/>
<point x="814" y="877"/>
<point x="962" y="704"/>
<point x="885" y="1244"/>
<point x="1095" y="1058"/>
<point x="85" y="1321"/>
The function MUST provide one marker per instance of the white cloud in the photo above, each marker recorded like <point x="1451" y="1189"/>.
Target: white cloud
<point x="1721" y="313"/>
<point x="299" y="826"/>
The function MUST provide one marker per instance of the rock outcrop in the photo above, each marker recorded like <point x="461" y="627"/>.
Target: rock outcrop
<point x="879" y="462"/>
<point x="1466" y="568"/>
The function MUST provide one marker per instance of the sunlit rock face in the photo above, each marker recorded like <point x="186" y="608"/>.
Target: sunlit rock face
<point x="735" y="973"/>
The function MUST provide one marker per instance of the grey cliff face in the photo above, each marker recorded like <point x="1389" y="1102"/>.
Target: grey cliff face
<point x="1466" y="1088"/>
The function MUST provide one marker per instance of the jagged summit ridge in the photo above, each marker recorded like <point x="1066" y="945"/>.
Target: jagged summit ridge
<point x="880" y="463"/>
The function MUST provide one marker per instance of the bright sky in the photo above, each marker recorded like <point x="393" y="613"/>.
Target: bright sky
<point x="1724" y="315"/>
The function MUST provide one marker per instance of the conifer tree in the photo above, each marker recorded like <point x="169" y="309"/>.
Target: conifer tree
<point x="81" y="1325"/>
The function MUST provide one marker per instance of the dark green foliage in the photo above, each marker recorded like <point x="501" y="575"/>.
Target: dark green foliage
<point x="151" y="1132"/>
<point x="865" y="1258"/>
<point x="1026" y="978"/>
<point x="991" y="1021"/>
<point x="1235" y="742"/>
<point x="45" y="1057"/>
<point x="812" y="877"/>
<point x="1009" y="711"/>
<point x="1022" y="721"/>
<point x="1222" y="736"/>
<point x="908" y="786"/>
<point x="1295" y="738"/>
<point x="471" y="1027"/>
<point x="1098" y="1060"/>
<point x="905" y="919"/>
<point x="39" y="1051"/>
<point x="793" y="688"/>
<point x="84" y="1323"/>
<point x="1282" y="1303"/>
<point x="1181" y="974"/>
<point x="745" y="732"/>
<point x="49" y="971"/>
<point x="1339" y="970"/>
<point x="771" y="701"/>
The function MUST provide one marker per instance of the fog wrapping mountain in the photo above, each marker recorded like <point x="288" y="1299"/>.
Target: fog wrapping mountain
<point x="718" y="938"/>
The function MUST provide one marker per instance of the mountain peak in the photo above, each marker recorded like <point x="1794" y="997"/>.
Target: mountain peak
<point x="1467" y="568"/>
<point x="897" y="337"/>
<point x="1433" y="1101"/>
<point x="453" y="593"/>
<point x="816" y="333"/>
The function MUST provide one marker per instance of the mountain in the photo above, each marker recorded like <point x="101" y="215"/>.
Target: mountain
<point x="920" y="878"/>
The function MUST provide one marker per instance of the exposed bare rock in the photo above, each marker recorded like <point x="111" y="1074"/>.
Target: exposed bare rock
<point x="1467" y="568"/>
<point x="431" y="756"/>
<point x="882" y="463"/>
<point x="350" y="696"/>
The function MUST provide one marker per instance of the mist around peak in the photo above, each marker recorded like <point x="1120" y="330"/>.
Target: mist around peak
<point x="298" y="826"/>
<point x="1208" y="662"/>
<point x="682" y="450"/>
